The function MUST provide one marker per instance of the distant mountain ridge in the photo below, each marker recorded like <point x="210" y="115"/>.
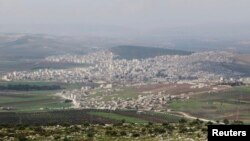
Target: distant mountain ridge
<point x="142" y="52"/>
<point x="32" y="46"/>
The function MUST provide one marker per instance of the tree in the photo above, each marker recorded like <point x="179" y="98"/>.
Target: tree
<point x="65" y="139"/>
<point x="182" y="121"/>
<point x="123" y="120"/>
<point x="159" y="130"/>
<point x="150" y="123"/>
<point x="226" y="121"/>
<point x="123" y="133"/>
<point x="22" y="138"/>
<point x="209" y="123"/>
<point x="217" y="121"/>
<point x="135" y="135"/>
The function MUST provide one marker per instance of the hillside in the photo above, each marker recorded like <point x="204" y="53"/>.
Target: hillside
<point x="141" y="52"/>
<point x="32" y="46"/>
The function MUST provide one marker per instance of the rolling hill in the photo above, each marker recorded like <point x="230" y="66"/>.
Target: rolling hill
<point x="142" y="52"/>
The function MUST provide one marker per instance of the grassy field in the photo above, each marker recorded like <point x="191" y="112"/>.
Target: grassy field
<point x="42" y="83"/>
<point x="31" y="100"/>
<point x="37" y="83"/>
<point x="233" y="104"/>
<point x="118" y="117"/>
<point x="80" y="116"/>
<point x="167" y="116"/>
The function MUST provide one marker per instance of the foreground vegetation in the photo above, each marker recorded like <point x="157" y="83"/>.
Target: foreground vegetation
<point x="183" y="130"/>
<point x="122" y="131"/>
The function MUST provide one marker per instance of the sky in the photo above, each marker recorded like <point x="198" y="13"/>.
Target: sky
<point x="134" y="14"/>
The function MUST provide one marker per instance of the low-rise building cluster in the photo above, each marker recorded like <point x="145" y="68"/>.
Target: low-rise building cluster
<point x="204" y="66"/>
<point x="144" y="102"/>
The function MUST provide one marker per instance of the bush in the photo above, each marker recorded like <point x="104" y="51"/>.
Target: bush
<point x="90" y="134"/>
<point x="209" y="123"/>
<point x="135" y="135"/>
<point x="86" y="124"/>
<point x="182" y="121"/>
<point x="226" y="121"/>
<point x="143" y="130"/>
<point x="65" y="139"/>
<point x="183" y="129"/>
<point x="165" y="124"/>
<point x="21" y="138"/>
<point x="111" y="133"/>
<point x="159" y="130"/>
<point x="123" y="120"/>
<point x="150" y="123"/>
<point x="123" y="133"/>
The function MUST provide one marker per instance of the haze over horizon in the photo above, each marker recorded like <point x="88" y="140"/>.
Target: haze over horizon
<point x="126" y="17"/>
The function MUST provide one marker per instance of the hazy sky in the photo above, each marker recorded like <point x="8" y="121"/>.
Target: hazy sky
<point x="126" y="13"/>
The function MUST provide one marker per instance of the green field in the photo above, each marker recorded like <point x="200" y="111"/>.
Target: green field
<point x="36" y="83"/>
<point x="118" y="117"/>
<point x="31" y="101"/>
<point x="167" y="116"/>
<point x="233" y="104"/>
<point x="42" y="83"/>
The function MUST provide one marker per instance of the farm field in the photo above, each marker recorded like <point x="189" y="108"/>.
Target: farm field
<point x="233" y="104"/>
<point x="42" y="83"/>
<point x="137" y="117"/>
<point x="36" y="83"/>
<point x="73" y="116"/>
<point x="31" y="101"/>
<point x="115" y="116"/>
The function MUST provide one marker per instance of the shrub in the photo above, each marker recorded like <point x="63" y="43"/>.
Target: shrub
<point x="182" y="121"/>
<point x="111" y="133"/>
<point x="123" y="133"/>
<point x="135" y="135"/>
<point x="226" y="121"/>
<point x="159" y="130"/>
<point x="21" y="138"/>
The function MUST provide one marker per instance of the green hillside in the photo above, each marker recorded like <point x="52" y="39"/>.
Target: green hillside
<point x="141" y="52"/>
